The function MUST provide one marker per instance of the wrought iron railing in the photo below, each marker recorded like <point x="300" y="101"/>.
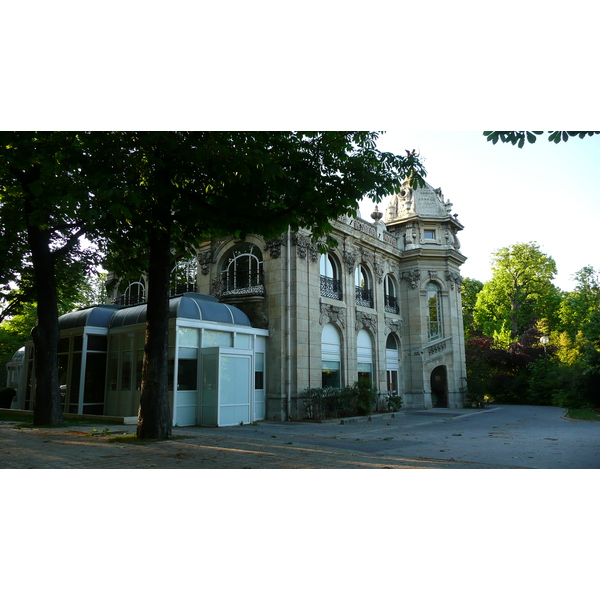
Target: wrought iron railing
<point x="391" y="304"/>
<point x="331" y="288"/>
<point x="364" y="297"/>
<point x="182" y="288"/>
<point x="130" y="299"/>
<point x="239" y="283"/>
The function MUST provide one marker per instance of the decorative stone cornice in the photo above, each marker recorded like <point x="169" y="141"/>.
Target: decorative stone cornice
<point x="332" y="314"/>
<point x="436" y="348"/>
<point x="411" y="277"/>
<point x="366" y="321"/>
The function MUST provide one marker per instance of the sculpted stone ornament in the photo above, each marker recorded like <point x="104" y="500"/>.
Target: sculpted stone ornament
<point x="394" y="326"/>
<point x="274" y="247"/>
<point x="380" y="268"/>
<point x="204" y="259"/>
<point x="366" y="321"/>
<point x="411" y="277"/>
<point x="453" y="279"/>
<point x="332" y="314"/>
<point x="304" y="247"/>
<point x="350" y="258"/>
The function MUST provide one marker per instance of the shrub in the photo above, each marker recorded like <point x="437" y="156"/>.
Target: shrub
<point x="332" y="403"/>
<point x="6" y="397"/>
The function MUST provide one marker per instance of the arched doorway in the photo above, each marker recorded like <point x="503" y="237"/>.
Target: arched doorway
<point x="439" y="387"/>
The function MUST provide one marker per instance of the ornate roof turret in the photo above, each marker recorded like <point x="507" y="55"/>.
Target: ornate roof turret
<point x="422" y="218"/>
<point x="425" y="202"/>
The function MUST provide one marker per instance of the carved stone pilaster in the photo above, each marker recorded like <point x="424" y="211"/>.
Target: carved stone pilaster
<point x="366" y="321"/>
<point x="332" y="314"/>
<point x="412" y="278"/>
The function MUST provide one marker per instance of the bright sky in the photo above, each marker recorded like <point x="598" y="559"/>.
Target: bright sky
<point x="544" y="192"/>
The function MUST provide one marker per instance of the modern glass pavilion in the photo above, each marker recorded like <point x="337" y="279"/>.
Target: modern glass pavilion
<point x="216" y="362"/>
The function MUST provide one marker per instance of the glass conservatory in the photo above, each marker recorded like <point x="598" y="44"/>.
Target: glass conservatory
<point x="216" y="362"/>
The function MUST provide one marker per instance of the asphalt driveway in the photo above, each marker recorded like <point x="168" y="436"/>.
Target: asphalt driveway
<point x="497" y="437"/>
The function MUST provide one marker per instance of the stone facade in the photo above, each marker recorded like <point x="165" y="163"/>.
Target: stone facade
<point x="384" y="304"/>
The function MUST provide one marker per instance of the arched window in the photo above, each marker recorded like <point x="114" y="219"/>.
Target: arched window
<point x="331" y="357"/>
<point x="391" y="299"/>
<point x="183" y="277"/>
<point x="331" y="286"/>
<point x="242" y="272"/>
<point x="434" y="311"/>
<point x="364" y="288"/>
<point x="392" y="360"/>
<point x="134" y="293"/>
<point x="365" y="356"/>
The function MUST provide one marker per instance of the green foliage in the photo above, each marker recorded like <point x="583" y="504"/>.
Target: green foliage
<point x="520" y="137"/>
<point x="469" y="290"/>
<point x="520" y="291"/>
<point x="331" y="403"/>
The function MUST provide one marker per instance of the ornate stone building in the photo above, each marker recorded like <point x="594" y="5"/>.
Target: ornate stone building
<point x="384" y="304"/>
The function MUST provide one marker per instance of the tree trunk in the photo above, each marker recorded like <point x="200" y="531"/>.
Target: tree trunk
<point x="154" y="417"/>
<point x="47" y="408"/>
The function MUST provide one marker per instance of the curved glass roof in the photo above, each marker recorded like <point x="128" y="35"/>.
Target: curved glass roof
<point x="97" y="316"/>
<point x="189" y="306"/>
<point x="18" y="356"/>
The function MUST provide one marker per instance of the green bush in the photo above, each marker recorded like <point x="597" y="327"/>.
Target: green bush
<point x="6" y="397"/>
<point x="332" y="403"/>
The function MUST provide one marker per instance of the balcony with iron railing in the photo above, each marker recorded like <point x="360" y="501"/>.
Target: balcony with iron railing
<point x="364" y="297"/>
<point x="391" y="304"/>
<point x="239" y="283"/>
<point x="331" y="288"/>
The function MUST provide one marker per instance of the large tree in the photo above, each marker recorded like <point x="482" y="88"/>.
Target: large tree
<point x="579" y="306"/>
<point x="179" y="187"/>
<point x="520" y="292"/>
<point x="45" y="209"/>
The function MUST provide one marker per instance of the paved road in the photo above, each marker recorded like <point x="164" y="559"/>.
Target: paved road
<point x="498" y="437"/>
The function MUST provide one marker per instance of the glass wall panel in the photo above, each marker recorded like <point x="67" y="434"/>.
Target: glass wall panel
<point x="95" y="368"/>
<point x="188" y="336"/>
<point x="187" y="374"/>
<point x="126" y="372"/>
<point x="212" y="339"/>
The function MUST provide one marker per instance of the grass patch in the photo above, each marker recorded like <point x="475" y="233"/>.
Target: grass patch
<point x="584" y="414"/>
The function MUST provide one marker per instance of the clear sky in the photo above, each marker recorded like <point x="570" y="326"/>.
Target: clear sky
<point x="544" y="192"/>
